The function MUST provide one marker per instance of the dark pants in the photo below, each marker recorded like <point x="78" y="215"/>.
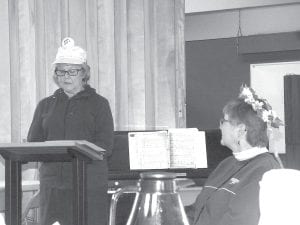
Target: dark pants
<point x="56" y="203"/>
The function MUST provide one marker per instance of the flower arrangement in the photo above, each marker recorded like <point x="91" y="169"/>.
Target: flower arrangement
<point x="261" y="106"/>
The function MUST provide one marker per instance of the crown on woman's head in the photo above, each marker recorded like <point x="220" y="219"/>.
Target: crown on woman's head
<point x="261" y="106"/>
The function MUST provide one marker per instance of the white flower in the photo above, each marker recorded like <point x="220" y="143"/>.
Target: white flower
<point x="249" y="98"/>
<point x="266" y="114"/>
<point x="246" y="92"/>
<point x="247" y="95"/>
<point x="257" y="105"/>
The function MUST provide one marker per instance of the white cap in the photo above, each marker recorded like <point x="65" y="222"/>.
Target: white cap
<point x="69" y="53"/>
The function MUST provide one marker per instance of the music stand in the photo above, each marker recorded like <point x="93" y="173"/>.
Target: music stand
<point x="15" y="154"/>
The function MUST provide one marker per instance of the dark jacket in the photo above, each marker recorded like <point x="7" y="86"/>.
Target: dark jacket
<point x="85" y="116"/>
<point x="230" y="195"/>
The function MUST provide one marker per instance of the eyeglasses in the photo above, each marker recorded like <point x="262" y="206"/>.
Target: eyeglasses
<point x="222" y="120"/>
<point x="71" y="72"/>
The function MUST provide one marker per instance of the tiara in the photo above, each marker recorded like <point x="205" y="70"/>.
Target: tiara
<point x="261" y="106"/>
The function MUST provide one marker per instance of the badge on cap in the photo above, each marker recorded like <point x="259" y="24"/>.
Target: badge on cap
<point x="67" y="42"/>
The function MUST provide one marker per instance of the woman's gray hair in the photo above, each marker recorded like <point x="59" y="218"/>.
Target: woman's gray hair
<point x="241" y="112"/>
<point x="85" y="79"/>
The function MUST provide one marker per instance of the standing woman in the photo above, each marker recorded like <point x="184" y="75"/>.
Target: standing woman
<point x="74" y="112"/>
<point x="230" y="195"/>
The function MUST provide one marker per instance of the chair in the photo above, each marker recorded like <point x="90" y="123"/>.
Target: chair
<point x="30" y="187"/>
<point x="279" y="197"/>
<point x="32" y="205"/>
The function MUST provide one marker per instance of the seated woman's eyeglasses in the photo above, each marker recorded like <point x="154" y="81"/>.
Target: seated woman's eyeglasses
<point x="71" y="72"/>
<point x="222" y="120"/>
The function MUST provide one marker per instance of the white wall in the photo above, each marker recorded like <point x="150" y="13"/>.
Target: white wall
<point x="260" y="20"/>
<point x="194" y="6"/>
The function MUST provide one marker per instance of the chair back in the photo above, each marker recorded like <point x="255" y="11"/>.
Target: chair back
<point x="279" y="197"/>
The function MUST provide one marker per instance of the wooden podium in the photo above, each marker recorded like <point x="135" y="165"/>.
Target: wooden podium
<point x="16" y="154"/>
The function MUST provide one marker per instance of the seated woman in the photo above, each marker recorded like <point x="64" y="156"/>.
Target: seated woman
<point x="230" y="195"/>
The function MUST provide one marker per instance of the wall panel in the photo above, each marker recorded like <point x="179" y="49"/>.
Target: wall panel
<point x="91" y="41"/>
<point x="106" y="74"/>
<point x="121" y="66"/>
<point x="5" y="119"/>
<point x="52" y="29"/>
<point x="27" y="64"/>
<point x="136" y="64"/>
<point x="5" y="103"/>
<point x="14" y="61"/>
<point x="77" y="24"/>
<point x="164" y="74"/>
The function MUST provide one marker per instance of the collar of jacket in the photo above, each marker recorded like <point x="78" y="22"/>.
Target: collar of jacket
<point x="88" y="91"/>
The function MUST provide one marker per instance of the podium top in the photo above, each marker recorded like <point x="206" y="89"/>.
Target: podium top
<point x="51" y="151"/>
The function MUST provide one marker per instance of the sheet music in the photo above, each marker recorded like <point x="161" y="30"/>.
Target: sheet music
<point x="175" y="148"/>
<point x="187" y="148"/>
<point x="149" y="150"/>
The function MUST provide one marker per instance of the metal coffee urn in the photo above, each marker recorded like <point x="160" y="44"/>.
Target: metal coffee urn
<point x="156" y="202"/>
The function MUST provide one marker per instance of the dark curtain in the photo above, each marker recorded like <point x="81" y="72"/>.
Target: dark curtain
<point x="292" y="120"/>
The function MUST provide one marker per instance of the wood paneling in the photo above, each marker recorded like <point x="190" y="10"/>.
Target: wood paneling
<point x="91" y="41"/>
<point x="40" y="57"/>
<point x="5" y="103"/>
<point x="136" y="64"/>
<point x="180" y="93"/>
<point x="150" y="35"/>
<point x="78" y="16"/>
<point x="106" y="75"/>
<point x="14" y="51"/>
<point x="52" y="39"/>
<point x="26" y="65"/>
<point x="135" y="51"/>
<point x="5" y="118"/>
<point x="121" y="71"/>
<point x="164" y="74"/>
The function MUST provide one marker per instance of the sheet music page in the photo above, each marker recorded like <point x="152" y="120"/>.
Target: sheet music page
<point x="148" y="150"/>
<point x="187" y="148"/>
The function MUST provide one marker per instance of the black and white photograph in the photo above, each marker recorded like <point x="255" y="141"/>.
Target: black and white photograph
<point x="149" y="112"/>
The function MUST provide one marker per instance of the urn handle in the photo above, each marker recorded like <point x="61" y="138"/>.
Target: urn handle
<point x="114" y="201"/>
